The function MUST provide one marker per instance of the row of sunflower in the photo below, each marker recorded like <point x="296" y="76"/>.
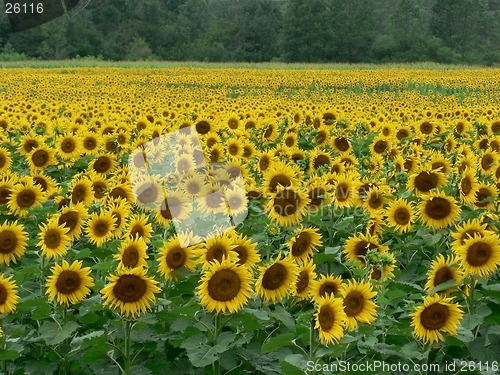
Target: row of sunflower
<point x="372" y="222"/>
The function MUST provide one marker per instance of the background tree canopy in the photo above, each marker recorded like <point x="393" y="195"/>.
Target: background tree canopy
<point x="448" y="31"/>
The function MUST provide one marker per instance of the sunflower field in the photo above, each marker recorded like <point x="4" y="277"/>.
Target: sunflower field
<point x="249" y="221"/>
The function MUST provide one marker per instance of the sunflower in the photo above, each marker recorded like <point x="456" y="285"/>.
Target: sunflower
<point x="23" y="197"/>
<point x="8" y="295"/>
<point x="119" y="209"/>
<point x="13" y="242"/>
<point x="400" y="215"/>
<point x="277" y="280"/>
<point x="340" y="143"/>
<point x="211" y="200"/>
<point x="148" y="191"/>
<point x="443" y="270"/>
<point x="69" y="147"/>
<point x="287" y="206"/>
<point x="280" y="174"/>
<point x="330" y="320"/>
<point x="193" y="183"/>
<point x="81" y="191"/>
<point x="41" y="158"/>
<point x="29" y="143"/>
<point x="121" y="189"/>
<point x="175" y="206"/>
<point x="100" y="227"/>
<point x="69" y="283"/>
<point x="326" y="285"/>
<point x="346" y="187"/>
<point x="175" y="253"/>
<point x="47" y="184"/>
<point x="305" y="279"/>
<point x="358" y="245"/>
<point x="438" y="210"/>
<point x="480" y="255"/>
<point x="246" y="251"/>
<point x="138" y="226"/>
<point x="303" y="242"/>
<point x="468" y="229"/>
<point x="73" y="218"/>
<point x="130" y="290"/>
<point x="103" y="164"/>
<point x="357" y="304"/>
<point x="468" y="186"/>
<point x="436" y="316"/>
<point x="184" y="163"/>
<point x="319" y="158"/>
<point x="99" y="185"/>
<point x="319" y="194"/>
<point x="216" y="248"/>
<point x="132" y="253"/>
<point x="54" y="239"/>
<point x="426" y="180"/>
<point x="6" y="185"/>
<point x="374" y="200"/>
<point x="486" y="196"/>
<point x="236" y="200"/>
<point x="224" y="287"/>
<point x="5" y="160"/>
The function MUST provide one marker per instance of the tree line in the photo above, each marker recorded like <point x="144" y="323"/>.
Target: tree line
<point x="352" y="31"/>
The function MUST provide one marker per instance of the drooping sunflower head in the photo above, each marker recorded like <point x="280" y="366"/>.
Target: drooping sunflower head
<point x="225" y="287"/>
<point x="436" y="316"/>
<point x="69" y="284"/>
<point x="130" y="290"/>
<point x="468" y="186"/>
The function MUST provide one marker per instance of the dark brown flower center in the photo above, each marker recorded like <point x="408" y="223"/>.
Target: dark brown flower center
<point x="40" y="158"/>
<point x="130" y="288"/>
<point x="353" y="303"/>
<point x="68" y="282"/>
<point x="301" y="245"/>
<point x="438" y="208"/>
<point x="328" y="288"/>
<point x="478" y="254"/>
<point x="326" y="318"/>
<point x="426" y="181"/>
<point x="224" y="285"/>
<point x="434" y="316"/>
<point x="286" y="203"/>
<point x="176" y="258"/>
<point x="26" y="198"/>
<point x="8" y="242"/>
<point x="274" y="277"/>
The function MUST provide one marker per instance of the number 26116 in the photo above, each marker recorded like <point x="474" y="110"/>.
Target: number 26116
<point x="16" y="8"/>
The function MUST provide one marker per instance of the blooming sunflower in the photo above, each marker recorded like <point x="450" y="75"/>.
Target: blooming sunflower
<point x="8" y="295"/>
<point x="346" y="188"/>
<point x="480" y="255"/>
<point x="443" y="270"/>
<point x="224" y="286"/>
<point x="138" y="226"/>
<point x="305" y="279"/>
<point x="41" y="158"/>
<point x="467" y="230"/>
<point x="100" y="227"/>
<point x="325" y="286"/>
<point x="236" y="200"/>
<point x="81" y="191"/>
<point x="23" y="197"/>
<point x="211" y="200"/>
<point x="400" y="215"/>
<point x="132" y="253"/>
<point x="357" y="246"/>
<point x="103" y="164"/>
<point x="287" y="206"/>
<point x="175" y="253"/>
<point x="148" y="192"/>
<point x="468" y="186"/>
<point x="130" y="290"/>
<point x="174" y="206"/>
<point x="277" y="279"/>
<point x="426" y="180"/>
<point x="303" y="242"/>
<point x="13" y="242"/>
<point x="484" y="192"/>
<point x="217" y="248"/>
<point x="245" y="249"/>
<point x="69" y="147"/>
<point x="280" y="173"/>
<point x="73" y="218"/>
<point x="357" y="304"/>
<point x="5" y="160"/>
<point x="69" y="284"/>
<point x="330" y="320"/>
<point x="438" y="210"/>
<point x="54" y="239"/>
<point x="436" y="316"/>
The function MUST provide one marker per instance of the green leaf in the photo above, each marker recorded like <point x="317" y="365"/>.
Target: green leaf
<point x="9" y="355"/>
<point x="200" y="354"/>
<point x="284" y="316"/>
<point x="51" y="334"/>
<point x="289" y="369"/>
<point x="260" y="314"/>
<point x="95" y="353"/>
<point x="277" y="342"/>
<point x="443" y="286"/>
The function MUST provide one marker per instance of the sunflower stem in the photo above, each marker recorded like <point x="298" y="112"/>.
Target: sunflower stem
<point x="472" y="306"/>
<point x="128" y="330"/>
<point x="42" y="275"/>
<point x="217" y="331"/>
<point x="3" y="346"/>
<point x="312" y="341"/>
